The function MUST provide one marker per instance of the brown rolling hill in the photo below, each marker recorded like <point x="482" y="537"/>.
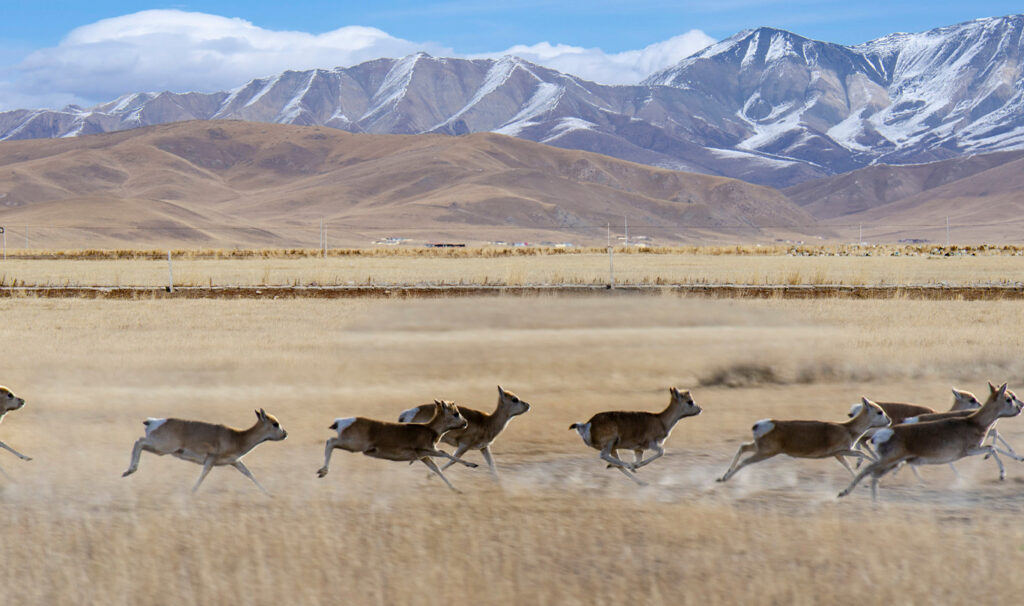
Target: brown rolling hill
<point x="982" y="196"/>
<point x="230" y="183"/>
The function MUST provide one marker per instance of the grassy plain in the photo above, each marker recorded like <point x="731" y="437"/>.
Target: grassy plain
<point x="420" y="266"/>
<point x="561" y="529"/>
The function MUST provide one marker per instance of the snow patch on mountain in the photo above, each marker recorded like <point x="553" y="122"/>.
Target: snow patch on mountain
<point x="545" y="98"/>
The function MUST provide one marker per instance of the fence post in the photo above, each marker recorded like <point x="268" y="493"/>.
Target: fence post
<point x="4" y="232"/>
<point x="170" y="274"/>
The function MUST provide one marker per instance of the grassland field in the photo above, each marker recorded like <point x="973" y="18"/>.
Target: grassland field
<point x="559" y="528"/>
<point x="512" y="267"/>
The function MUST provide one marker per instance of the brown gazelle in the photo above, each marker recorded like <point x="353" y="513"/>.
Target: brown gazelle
<point x="397" y="441"/>
<point x="481" y="429"/>
<point x="992" y="431"/>
<point x="10" y="402"/>
<point x="938" y="442"/>
<point x="808" y="439"/>
<point x="634" y="430"/>
<point x="900" y="411"/>
<point x="207" y="444"/>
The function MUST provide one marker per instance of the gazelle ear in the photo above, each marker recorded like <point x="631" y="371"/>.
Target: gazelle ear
<point x="258" y="414"/>
<point x="992" y="388"/>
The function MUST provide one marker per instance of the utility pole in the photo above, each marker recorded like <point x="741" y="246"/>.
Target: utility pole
<point x="170" y="274"/>
<point x="611" y="260"/>
<point x="323" y="239"/>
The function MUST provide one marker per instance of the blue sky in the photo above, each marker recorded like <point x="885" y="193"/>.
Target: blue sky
<point x="95" y="51"/>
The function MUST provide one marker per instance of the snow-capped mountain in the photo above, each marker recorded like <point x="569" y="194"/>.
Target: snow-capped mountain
<point x="765" y="105"/>
<point x="902" y="98"/>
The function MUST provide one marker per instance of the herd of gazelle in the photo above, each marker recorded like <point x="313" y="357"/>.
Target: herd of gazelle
<point x="885" y="434"/>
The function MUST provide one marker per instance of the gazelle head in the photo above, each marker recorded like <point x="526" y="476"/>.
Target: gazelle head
<point x="9" y="401"/>
<point x="872" y="413"/>
<point x="448" y="416"/>
<point x="683" y="402"/>
<point x="1010" y="405"/>
<point x="270" y="425"/>
<point x="511" y="402"/>
<point x="964" y="400"/>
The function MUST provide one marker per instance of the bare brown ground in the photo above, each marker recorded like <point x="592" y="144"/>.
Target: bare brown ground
<point x="561" y="529"/>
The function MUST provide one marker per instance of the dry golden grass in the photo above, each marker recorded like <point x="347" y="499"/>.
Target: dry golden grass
<point x="711" y="266"/>
<point x="562" y="529"/>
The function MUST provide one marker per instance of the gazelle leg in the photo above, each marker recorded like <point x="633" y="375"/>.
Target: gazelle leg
<point x="849" y="453"/>
<point x="989" y="451"/>
<point x="632" y="476"/>
<point x="754" y="458"/>
<point x="607" y="455"/>
<point x="245" y="472"/>
<point x="16" y="453"/>
<point x="461" y="450"/>
<point x="745" y="447"/>
<point x="1010" y="452"/>
<point x="865" y="444"/>
<point x="440" y="453"/>
<point x="331" y="443"/>
<point x="486" y="451"/>
<point x="658" y="452"/>
<point x="137" y="449"/>
<point x="207" y="466"/>
<point x="860" y="476"/>
<point x="433" y="467"/>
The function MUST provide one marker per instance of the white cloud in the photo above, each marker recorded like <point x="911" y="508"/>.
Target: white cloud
<point x="180" y="51"/>
<point x="628" y="67"/>
<point x="173" y="50"/>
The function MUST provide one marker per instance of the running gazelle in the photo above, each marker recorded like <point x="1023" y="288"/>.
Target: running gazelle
<point x="481" y="429"/>
<point x="635" y="430"/>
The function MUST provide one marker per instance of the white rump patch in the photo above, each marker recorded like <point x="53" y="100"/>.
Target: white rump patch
<point x="342" y="424"/>
<point x="584" y="430"/>
<point x="762" y="427"/>
<point x="408" y="415"/>
<point x="882" y="436"/>
<point x="855" y="409"/>
<point x="153" y="424"/>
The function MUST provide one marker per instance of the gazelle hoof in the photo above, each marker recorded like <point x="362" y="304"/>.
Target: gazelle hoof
<point x="127" y="473"/>
<point x="321" y="472"/>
